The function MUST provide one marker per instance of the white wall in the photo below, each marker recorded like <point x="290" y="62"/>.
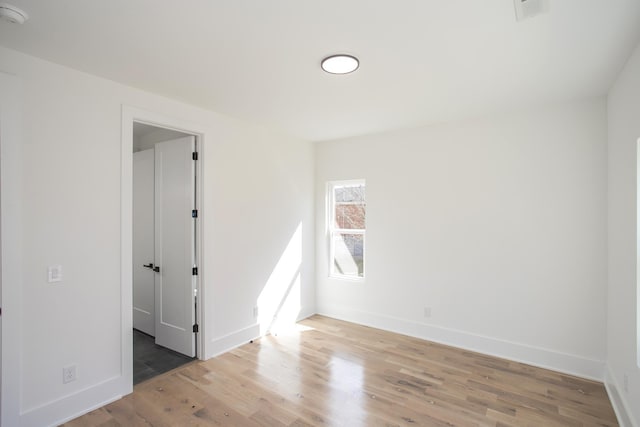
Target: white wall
<point x="623" y="298"/>
<point x="497" y="224"/>
<point x="258" y="190"/>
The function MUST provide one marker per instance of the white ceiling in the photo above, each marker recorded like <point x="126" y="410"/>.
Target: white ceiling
<point x="422" y="61"/>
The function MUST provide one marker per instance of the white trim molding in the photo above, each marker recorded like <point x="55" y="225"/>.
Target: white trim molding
<point x="78" y="403"/>
<point x="11" y="247"/>
<point x="232" y="340"/>
<point x="129" y="116"/>
<point x="618" y="401"/>
<point x="517" y="352"/>
<point x="228" y="342"/>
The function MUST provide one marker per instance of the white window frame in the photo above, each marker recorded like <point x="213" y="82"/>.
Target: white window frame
<point x="332" y="230"/>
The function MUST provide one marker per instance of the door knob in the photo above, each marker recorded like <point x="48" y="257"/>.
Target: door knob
<point x="156" y="269"/>
<point x="150" y="265"/>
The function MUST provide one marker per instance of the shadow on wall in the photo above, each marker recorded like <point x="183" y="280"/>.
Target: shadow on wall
<point x="279" y="302"/>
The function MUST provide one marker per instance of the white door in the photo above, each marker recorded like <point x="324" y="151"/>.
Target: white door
<point x="143" y="242"/>
<point x="175" y="244"/>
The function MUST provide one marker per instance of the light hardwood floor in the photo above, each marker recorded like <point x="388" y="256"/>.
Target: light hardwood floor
<point x="336" y="373"/>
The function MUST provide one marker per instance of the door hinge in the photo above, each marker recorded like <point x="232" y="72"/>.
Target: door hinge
<point x="196" y="328"/>
<point x="194" y="155"/>
<point x="194" y="271"/>
<point x="194" y="213"/>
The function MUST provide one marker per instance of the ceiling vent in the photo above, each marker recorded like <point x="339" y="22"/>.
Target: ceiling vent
<point x="526" y="9"/>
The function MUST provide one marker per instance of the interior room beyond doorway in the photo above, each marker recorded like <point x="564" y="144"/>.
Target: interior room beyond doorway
<point x="164" y="250"/>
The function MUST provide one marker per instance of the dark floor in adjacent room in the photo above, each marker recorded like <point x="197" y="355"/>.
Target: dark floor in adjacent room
<point x="150" y="359"/>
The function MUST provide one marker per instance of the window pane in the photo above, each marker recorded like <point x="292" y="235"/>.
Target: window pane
<point x="348" y="254"/>
<point x="350" y="216"/>
<point x="351" y="193"/>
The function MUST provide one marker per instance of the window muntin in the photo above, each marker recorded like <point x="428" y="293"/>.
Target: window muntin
<point x="347" y="225"/>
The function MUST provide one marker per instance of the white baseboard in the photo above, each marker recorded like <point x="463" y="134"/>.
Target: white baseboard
<point x="228" y="342"/>
<point x="83" y="401"/>
<point x="618" y="401"/>
<point x="79" y="403"/>
<point x="304" y="313"/>
<point x="535" y="356"/>
<point x="86" y="400"/>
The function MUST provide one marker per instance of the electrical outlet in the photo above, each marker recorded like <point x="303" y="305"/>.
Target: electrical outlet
<point x="427" y="312"/>
<point x="68" y="374"/>
<point x="54" y="273"/>
<point x="625" y="383"/>
<point x="255" y="312"/>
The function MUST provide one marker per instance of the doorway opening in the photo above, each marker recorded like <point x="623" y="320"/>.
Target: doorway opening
<point x="164" y="250"/>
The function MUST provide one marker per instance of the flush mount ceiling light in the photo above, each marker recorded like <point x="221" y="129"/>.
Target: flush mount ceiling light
<point x="340" y="64"/>
<point x="12" y="14"/>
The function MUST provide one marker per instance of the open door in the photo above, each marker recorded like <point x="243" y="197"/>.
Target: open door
<point x="143" y="242"/>
<point x="175" y="245"/>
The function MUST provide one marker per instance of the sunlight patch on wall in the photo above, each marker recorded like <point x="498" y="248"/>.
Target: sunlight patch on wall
<point x="279" y="301"/>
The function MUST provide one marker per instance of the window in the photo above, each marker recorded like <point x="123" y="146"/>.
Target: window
<point x="347" y="212"/>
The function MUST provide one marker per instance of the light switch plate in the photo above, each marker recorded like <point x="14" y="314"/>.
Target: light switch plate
<point x="54" y="273"/>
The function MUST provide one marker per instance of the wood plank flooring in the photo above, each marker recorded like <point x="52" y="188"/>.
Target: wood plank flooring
<point x="334" y="373"/>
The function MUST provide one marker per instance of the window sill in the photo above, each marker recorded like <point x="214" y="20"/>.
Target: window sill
<point x="347" y="279"/>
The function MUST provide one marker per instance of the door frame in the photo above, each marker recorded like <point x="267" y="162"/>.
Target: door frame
<point x="10" y="247"/>
<point x="129" y="116"/>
